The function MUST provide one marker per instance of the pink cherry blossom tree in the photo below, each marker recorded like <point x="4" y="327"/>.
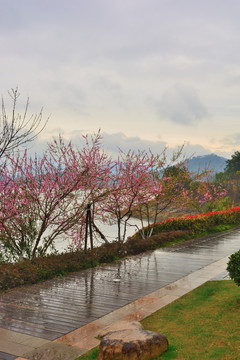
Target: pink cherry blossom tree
<point x="42" y="199"/>
<point x="164" y="190"/>
<point x="203" y="191"/>
<point x="65" y="191"/>
<point x="174" y="187"/>
<point x="130" y="177"/>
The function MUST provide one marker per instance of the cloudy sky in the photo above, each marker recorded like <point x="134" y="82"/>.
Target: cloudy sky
<point x="149" y="73"/>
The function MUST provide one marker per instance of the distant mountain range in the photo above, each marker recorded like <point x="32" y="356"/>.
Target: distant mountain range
<point x="211" y="161"/>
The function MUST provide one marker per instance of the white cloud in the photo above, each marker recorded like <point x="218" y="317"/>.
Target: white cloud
<point x="111" y="143"/>
<point x="232" y="139"/>
<point x="181" y="104"/>
<point x="94" y="63"/>
<point x="233" y="80"/>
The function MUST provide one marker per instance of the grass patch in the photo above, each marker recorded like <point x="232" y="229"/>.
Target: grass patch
<point x="90" y="355"/>
<point x="203" y="324"/>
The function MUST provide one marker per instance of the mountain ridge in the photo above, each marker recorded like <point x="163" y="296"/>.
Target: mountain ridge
<point x="212" y="162"/>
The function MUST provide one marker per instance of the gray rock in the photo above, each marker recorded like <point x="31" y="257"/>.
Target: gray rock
<point x="132" y="343"/>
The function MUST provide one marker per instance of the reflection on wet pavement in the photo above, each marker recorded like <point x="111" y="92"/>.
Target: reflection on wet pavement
<point x="56" y="307"/>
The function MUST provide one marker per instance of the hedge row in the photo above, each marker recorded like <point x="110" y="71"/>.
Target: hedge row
<point x="198" y="223"/>
<point x="43" y="268"/>
<point x="164" y="233"/>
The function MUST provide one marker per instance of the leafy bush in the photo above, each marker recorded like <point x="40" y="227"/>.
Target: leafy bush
<point x="218" y="205"/>
<point x="42" y="268"/>
<point x="234" y="267"/>
<point x="136" y="245"/>
<point x="170" y="236"/>
<point x="10" y="276"/>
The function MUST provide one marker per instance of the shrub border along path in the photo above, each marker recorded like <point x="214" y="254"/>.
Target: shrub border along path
<point x="165" y="233"/>
<point x="201" y="223"/>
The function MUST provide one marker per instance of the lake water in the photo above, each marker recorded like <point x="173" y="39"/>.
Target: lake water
<point x="110" y="232"/>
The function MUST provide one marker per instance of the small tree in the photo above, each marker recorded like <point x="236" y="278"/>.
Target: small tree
<point x="202" y="191"/>
<point x="130" y="177"/>
<point x="233" y="165"/>
<point x="164" y="190"/>
<point x="175" y="187"/>
<point x="231" y="178"/>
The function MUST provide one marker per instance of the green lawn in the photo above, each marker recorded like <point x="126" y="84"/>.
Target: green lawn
<point x="203" y="324"/>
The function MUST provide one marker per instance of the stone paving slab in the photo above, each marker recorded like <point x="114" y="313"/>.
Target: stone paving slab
<point x="54" y="351"/>
<point x="17" y="343"/>
<point x="223" y="276"/>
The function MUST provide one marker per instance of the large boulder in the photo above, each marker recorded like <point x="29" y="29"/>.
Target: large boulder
<point x="129" y="341"/>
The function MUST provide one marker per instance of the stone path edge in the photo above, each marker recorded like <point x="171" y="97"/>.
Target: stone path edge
<point x="85" y="336"/>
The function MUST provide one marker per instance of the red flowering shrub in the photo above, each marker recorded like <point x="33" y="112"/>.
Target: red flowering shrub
<point x="198" y="223"/>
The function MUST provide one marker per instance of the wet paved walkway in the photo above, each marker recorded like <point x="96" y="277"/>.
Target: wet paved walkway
<point x="66" y="309"/>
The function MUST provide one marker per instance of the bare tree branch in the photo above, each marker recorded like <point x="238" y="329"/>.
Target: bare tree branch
<point x="16" y="129"/>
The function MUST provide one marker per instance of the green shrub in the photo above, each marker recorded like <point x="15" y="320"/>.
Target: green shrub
<point x="137" y="245"/>
<point x="42" y="268"/>
<point x="233" y="267"/>
<point x="218" y="205"/>
<point x="170" y="236"/>
<point x="108" y="252"/>
<point x="10" y="277"/>
<point x="221" y="227"/>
